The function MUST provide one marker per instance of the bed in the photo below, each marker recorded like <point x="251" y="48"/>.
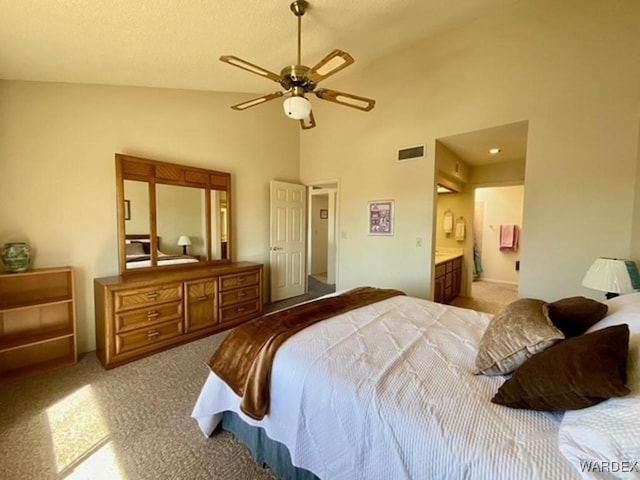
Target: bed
<point x="391" y="390"/>
<point x="138" y="253"/>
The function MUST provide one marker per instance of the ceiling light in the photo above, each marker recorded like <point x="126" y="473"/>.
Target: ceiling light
<point x="297" y="108"/>
<point x="494" y="151"/>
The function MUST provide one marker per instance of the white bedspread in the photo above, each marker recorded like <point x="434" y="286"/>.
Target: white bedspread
<point x="387" y="392"/>
<point x="143" y="261"/>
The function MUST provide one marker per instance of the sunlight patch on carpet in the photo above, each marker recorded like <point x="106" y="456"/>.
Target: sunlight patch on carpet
<point x="80" y="438"/>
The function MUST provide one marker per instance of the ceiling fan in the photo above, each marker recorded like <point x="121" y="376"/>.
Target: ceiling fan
<point x="298" y="80"/>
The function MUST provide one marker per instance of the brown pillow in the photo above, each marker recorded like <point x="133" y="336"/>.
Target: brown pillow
<point x="515" y="333"/>
<point x="574" y="315"/>
<point x="576" y="373"/>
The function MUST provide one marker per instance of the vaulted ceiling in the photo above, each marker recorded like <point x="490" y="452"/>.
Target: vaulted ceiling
<point x="177" y="43"/>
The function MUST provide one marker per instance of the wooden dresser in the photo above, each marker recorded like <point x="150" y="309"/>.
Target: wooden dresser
<point x="141" y="314"/>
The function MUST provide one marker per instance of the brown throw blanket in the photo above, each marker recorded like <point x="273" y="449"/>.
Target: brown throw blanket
<point x="244" y="358"/>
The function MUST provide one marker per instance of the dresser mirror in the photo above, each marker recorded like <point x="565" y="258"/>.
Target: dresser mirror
<point x="171" y="216"/>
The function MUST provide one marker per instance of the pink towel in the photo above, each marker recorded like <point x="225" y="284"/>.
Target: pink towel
<point x="509" y="238"/>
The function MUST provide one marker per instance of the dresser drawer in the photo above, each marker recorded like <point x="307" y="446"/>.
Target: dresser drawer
<point x="144" y="337"/>
<point x="240" y="310"/>
<point x="238" y="295"/>
<point x="147" y="317"/>
<point x="147" y="296"/>
<point x="228" y="282"/>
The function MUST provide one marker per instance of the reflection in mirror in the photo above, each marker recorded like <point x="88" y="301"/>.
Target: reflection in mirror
<point x="181" y="221"/>
<point x="179" y="216"/>
<point x="136" y="196"/>
<point x="137" y="223"/>
<point x="219" y="224"/>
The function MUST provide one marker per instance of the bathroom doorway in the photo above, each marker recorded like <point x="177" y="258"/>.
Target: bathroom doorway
<point x="488" y="194"/>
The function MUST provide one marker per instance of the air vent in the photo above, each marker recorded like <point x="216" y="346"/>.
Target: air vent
<point x="411" y="153"/>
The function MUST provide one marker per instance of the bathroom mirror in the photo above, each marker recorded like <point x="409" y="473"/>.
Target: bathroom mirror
<point x="170" y="215"/>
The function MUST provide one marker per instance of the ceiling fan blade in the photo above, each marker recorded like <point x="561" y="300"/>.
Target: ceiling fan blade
<point x="347" y="99"/>
<point x="332" y="63"/>
<point x="307" y="123"/>
<point x="257" y="101"/>
<point x="250" y="67"/>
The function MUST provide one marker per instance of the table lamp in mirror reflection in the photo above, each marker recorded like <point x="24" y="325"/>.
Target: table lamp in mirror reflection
<point x="184" y="241"/>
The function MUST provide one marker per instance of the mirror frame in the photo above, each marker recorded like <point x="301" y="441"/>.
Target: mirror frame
<point x="154" y="172"/>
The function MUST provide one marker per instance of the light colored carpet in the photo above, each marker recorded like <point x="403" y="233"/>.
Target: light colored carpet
<point x="132" y="422"/>
<point x="488" y="297"/>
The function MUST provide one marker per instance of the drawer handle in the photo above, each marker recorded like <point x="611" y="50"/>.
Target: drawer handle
<point x="241" y="294"/>
<point x="241" y="309"/>
<point x="204" y="297"/>
<point x="241" y="279"/>
<point x="153" y="295"/>
<point x="152" y="335"/>
<point x="153" y="314"/>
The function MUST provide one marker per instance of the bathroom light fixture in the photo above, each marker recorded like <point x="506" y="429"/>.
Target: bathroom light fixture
<point x="494" y="151"/>
<point x="184" y="241"/>
<point x="612" y="275"/>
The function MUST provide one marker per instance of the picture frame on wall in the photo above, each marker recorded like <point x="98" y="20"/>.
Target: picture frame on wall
<point x="324" y="213"/>
<point x="380" y="217"/>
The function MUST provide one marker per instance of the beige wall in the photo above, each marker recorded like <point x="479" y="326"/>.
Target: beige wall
<point x="57" y="167"/>
<point x="570" y="68"/>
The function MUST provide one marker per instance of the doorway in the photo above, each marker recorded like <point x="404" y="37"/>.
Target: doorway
<point x="496" y="261"/>
<point x="322" y="241"/>
<point x="488" y="192"/>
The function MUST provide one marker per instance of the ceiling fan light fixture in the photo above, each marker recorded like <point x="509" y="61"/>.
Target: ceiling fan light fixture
<point x="297" y="108"/>
<point x="299" y="80"/>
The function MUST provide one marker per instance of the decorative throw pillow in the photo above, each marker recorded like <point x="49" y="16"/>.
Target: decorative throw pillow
<point x="515" y="333"/>
<point x="577" y="373"/>
<point x="574" y="315"/>
<point x="608" y="431"/>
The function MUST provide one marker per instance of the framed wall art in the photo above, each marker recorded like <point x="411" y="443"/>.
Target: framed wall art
<point x="324" y="213"/>
<point x="380" y="217"/>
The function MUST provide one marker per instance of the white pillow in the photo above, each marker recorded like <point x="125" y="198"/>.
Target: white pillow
<point x="603" y="441"/>
<point x="621" y="309"/>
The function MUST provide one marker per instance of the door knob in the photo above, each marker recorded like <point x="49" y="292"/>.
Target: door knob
<point x="276" y="248"/>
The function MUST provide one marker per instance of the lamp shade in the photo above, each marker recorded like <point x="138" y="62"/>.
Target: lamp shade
<point x="184" y="240"/>
<point x="297" y="107"/>
<point x="612" y="275"/>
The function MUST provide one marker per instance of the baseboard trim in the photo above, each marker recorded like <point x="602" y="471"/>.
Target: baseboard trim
<point x="490" y="280"/>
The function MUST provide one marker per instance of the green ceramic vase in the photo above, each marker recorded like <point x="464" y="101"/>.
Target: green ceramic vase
<point x="15" y="256"/>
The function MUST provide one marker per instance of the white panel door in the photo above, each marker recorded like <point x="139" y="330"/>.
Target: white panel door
<point x="287" y="240"/>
